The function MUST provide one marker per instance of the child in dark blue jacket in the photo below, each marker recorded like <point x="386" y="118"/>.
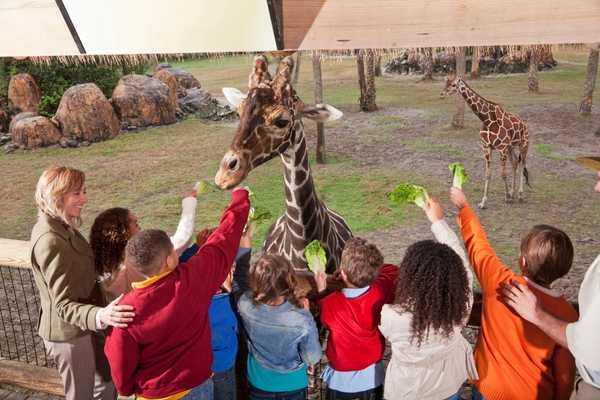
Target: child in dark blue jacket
<point x="223" y="318"/>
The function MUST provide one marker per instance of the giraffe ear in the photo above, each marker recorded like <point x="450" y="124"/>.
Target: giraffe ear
<point x="234" y="96"/>
<point x="321" y="113"/>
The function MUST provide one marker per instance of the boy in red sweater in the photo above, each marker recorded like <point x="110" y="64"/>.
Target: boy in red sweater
<point x="165" y="353"/>
<point x="355" y="345"/>
<point x="514" y="358"/>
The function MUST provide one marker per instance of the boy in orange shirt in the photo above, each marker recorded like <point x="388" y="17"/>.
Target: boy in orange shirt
<point x="515" y="359"/>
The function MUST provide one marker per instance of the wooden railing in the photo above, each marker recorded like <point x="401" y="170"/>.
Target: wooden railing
<point x="23" y="359"/>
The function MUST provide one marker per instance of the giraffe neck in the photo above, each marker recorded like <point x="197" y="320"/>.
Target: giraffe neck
<point x="478" y="104"/>
<point x="302" y="207"/>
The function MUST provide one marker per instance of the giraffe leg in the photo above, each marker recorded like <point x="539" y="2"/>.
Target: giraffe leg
<point x="503" y="157"/>
<point x="514" y="161"/>
<point x="488" y="174"/>
<point x="524" y="173"/>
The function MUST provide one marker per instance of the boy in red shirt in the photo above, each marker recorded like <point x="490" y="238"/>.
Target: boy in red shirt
<point x="514" y="358"/>
<point x="165" y="353"/>
<point x="355" y="345"/>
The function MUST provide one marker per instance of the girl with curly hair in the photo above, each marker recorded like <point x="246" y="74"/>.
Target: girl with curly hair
<point x="430" y="357"/>
<point x="283" y="340"/>
<point x="110" y="232"/>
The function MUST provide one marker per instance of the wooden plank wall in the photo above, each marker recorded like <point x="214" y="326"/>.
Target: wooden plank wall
<point x="352" y="24"/>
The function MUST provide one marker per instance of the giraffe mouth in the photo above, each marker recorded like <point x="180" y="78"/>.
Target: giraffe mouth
<point x="229" y="175"/>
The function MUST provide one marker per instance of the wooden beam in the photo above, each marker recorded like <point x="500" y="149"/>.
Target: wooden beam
<point x="40" y="379"/>
<point x="352" y="24"/>
<point x="14" y="253"/>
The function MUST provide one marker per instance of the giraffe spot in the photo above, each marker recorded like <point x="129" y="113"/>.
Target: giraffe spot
<point x="493" y="127"/>
<point x="300" y="177"/>
<point x="293" y="213"/>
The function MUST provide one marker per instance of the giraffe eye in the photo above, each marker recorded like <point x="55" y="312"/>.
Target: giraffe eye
<point x="281" y="122"/>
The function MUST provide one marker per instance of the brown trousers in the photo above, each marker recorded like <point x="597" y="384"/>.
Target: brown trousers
<point x="83" y="368"/>
<point x="585" y="391"/>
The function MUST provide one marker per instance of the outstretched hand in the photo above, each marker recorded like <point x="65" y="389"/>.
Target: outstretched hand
<point x="116" y="315"/>
<point x="522" y="300"/>
<point x="458" y="198"/>
<point x="433" y="210"/>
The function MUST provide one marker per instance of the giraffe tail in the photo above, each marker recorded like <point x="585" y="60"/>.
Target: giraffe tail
<point x="525" y="172"/>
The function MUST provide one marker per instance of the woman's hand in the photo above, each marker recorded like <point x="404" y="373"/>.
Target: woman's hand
<point x="433" y="210"/>
<point x="116" y="315"/>
<point x="458" y="198"/>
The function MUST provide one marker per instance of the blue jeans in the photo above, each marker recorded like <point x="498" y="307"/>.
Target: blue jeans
<point x="257" y="394"/>
<point x="224" y="384"/>
<point x="203" y="391"/>
<point x="454" y="397"/>
<point x="477" y="395"/>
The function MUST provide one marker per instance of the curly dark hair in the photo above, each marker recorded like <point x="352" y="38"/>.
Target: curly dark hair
<point x="108" y="238"/>
<point x="433" y="287"/>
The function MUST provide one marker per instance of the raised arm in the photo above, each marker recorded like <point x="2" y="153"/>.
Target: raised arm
<point x="216" y="256"/>
<point x="185" y="228"/>
<point x="487" y="266"/>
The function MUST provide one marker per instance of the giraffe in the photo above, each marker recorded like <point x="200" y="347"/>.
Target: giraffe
<point x="500" y="131"/>
<point x="271" y="125"/>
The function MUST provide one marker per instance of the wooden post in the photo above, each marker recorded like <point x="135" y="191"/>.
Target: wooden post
<point x="371" y="91"/>
<point x="475" y="62"/>
<point x="297" y="68"/>
<point x="585" y="107"/>
<point x="458" y="120"/>
<point x="533" y="84"/>
<point x="317" y="77"/>
<point x="360" y="66"/>
<point x="428" y="64"/>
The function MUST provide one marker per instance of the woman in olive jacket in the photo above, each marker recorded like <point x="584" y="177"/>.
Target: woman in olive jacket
<point x="71" y="303"/>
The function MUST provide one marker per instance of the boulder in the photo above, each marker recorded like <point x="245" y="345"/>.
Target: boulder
<point x="161" y="66"/>
<point x="197" y="101"/>
<point x="24" y="93"/>
<point x="18" y="117"/>
<point x="142" y="101"/>
<point x="185" y="80"/>
<point x="34" y="132"/>
<point x="85" y="114"/>
<point x="168" y="78"/>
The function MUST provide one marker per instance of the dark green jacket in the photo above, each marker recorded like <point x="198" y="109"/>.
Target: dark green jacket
<point x="63" y="267"/>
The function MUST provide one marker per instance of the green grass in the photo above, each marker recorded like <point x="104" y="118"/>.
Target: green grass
<point x="147" y="170"/>
<point x="548" y="151"/>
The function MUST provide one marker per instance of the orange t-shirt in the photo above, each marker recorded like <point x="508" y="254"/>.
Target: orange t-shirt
<point x="515" y="359"/>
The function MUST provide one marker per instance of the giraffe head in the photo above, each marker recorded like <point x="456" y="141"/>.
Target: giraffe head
<point x="270" y="121"/>
<point x="453" y="83"/>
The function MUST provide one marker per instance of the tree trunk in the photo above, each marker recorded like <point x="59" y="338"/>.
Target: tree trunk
<point x="590" y="81"/>
<point x="458" y="120"/>
<point x="378" y="65"/>
<point x="296" y="68"/>
<point x="371" y="91"/>
<point x="475" y="62"/>
<point x="316" y="62"/>
<point x="533" y="83"/>
<point x="362" y="84"/>
<point x="428" y="64"/>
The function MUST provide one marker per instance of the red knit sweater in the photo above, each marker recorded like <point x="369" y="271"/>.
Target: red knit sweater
<point x="354" y="340"/>
<point x="166" y="349"/>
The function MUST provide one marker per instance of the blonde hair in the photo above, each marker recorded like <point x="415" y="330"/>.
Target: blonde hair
<point x="51" y="188"/>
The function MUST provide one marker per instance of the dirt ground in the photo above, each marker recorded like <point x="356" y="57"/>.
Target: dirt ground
<point x="420" y="140"/>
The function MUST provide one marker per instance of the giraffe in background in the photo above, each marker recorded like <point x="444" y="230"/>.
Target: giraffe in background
<point x="271" y="125"/>
<point x="500" y="131"/>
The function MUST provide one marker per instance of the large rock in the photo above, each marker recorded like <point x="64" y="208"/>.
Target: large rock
<point x="84" y="113"/>
<point x="185" y="79"/>
<point x="20" y="116"/>
<point x="33" y="132"/>
<point x="166" y="76"/>
<point x="198" y="101"/>
<point x="143" y="101"/>
<point x="24" y="93"/>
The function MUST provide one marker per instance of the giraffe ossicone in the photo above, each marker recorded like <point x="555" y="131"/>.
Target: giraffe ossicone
<point x="270" y="125"/>
<point x="502" y="131"/>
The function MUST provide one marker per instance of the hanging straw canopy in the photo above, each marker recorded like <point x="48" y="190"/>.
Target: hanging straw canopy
<point x="117" y="27"/>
